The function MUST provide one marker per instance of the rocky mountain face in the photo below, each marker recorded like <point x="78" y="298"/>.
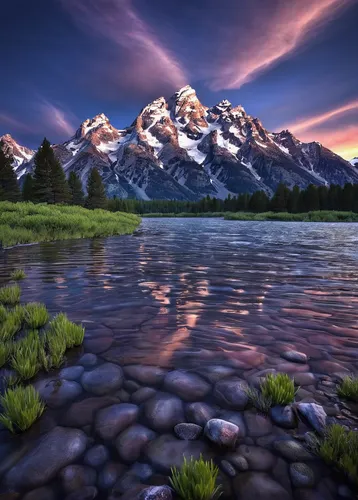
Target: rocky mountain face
<point x="354" y="162"/>
<point x="21" y="155"/>
<point x="181" y="149"/>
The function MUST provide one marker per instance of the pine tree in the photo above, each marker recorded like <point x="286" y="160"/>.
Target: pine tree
<point x="59" y="186"/>
<point x="95" y="189"/>
<point x="44" y="161"/>
<point x="312" y="198"/>
<point x="75" y="188"/>
<point x="258" y="202"/>
<point x="279" y="202"/>
<point x="292" y="204"/>
<point x="28" y="188"/>
<point x="9" y="189"/>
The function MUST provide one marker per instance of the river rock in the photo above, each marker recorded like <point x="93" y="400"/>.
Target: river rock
<point x="292" y="450"/>
<point x="257" y="425"/>
<point x="57" y="392"/>
<point x="260" y="486"/>
<point x="110" y="421"/>
<point x="302" y="476"/>
<point x="283" y="416"/>
<point x="239" y="462"/>
<point x="82" y="413"/>
<point x="258" y="459"/>
<point x="156" y="493"/>
<point x="51" y="453"/>
<point x="231" y="393"/>
<point x="188" y="431"/>
<point x="131" y="442"/>
<point x="88" y="360"/>
<point x="44" y="493"/>
<point x="164" y="411"/>
<point x="87" y="493"/>
<point x="109" y="475"/>
<point x="75" y="477"/>
<point x="97" y="345"/>
<point x="295" y="356"/>
<point x="186" y="385"/>
<point x="149" y="375"/>
<point x="315" y="415"/>
<point x="221" y="432"/>
<point x="96" y="456"/>
<point x="102" y="380"/>
<point x="235" y="418"/>
<point x="72" y="372"/>
<point x="228" y="468"/>
<point x="143" y="394"/>
<point x="199" y="413"/>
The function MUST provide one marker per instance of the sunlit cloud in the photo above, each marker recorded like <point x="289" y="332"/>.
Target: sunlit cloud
<point x="149" y="62"/>
<point x="56" y="119"/>
<point x="15" y="124"/>
<point x="343" y="140"/>
<point x="271" y="36"/>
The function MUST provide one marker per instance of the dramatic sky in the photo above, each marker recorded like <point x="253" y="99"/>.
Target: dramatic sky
<point x="292" y="63"/>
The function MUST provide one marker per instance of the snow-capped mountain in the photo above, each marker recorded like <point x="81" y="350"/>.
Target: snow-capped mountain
<point x="354" y="162"/>
<point x="180" y="149"/>
<point x="21" y="155"/>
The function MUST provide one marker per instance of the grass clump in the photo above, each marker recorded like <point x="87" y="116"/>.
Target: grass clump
<point x="22" y="406"/>
<point x="196" y="480"/>
<point x="25" y="357"/>
<point x="72" y="333"/>
<point x="348" y="388"/>
<point x="36" y="315"/>
<point x="339" y="447"/>
<point x="3" y="313"/>
<point x="280" y="388"/>
<point x="258" y="400"/>
<point x="10" y="295"/>
<point x="5" y="351"/>
<point x="18" y="274"/>
<point x="12" y="324"/>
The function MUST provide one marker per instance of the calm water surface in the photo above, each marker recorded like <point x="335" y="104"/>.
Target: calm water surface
<point x="196" y="292"/>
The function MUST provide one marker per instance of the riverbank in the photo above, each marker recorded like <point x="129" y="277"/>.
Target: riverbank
<point x="22" y="223"/>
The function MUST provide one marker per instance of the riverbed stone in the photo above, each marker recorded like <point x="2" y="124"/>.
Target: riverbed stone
<point x="257" y="425"/>
<point x="55" y="450"/>
<point x="97" y="345"/>
<point x="57" y="392"/>
<point x="238" y="461"/>
<point x="306" y="378"/>
<point x="81" y="413"/>
<point x="258" y="459"/>
<point x="110" y="473"/>
<point x="235" y="418"/>
<point x="295" y="356"/>
<point x="283" y="416"/>
<point x="76" y="477"/>
<point x="315" y="415"/>
<point x="292" y="450"/>
<point x="164" y="411"/>
<point x="72" y="372"/>
<point x="188" y="431"/>
<point x="156" y="493"/>
<point x="103" y="379"/>
<point x="199" y="413"/>
<point x="96" y="456"/>
<point x="86" y="493"/>
<point x="302" y="476"/>
<point x="130" y="442"/>
<point x="88" y="360"/>
<point x="167" y="451"/>
<point x="228" y="468"/>
<point x="142" y="395"/>
<point x="110" y="421"/>
<point x="44" y="493"/>
<point x="149" y="375"/>
<point x="186" y="385"/>
<point x="221" y="432"/>
<point x="231" y="393"/>
<point x="259" y="485"/>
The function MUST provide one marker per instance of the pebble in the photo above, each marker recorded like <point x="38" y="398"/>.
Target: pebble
<point x="72" y="372"/>
<point x="96" y="456"/>
<point x="295" y="356"/>
<point x="257" y="425"/>
<point x="103" y="379"/>
<point x="228" y="468"/>
<point x="302" y="476"/>
<point x="239" y="462"/>
<point x="259" y="486"/>
<point x="44" y="493"/>
<point x="82" y="413"/>
<point x="109" y="475"/>
<point x="88" y="360"/>
<point x="188" y="431"/>
<point x="221" y="432"/>
<point x="258" y="459"/>
<point x="57" y="392"/>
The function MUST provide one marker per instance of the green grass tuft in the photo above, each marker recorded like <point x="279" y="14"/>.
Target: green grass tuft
<point x="22" y="406"/>
<point x="348" y="388"/>
<point x="12" y="324"/>
<point x="196" y="480"/>
<point x="5" y="352"/>
<point x="259" y="401"/>
<point x="3" y="313"/>
<point x="36" y="315"/>
<point x="280" y="388"/>
<point x="73" y="334"/>
<point x="25" y="357"/>
<point x="10" y="295"/>
<point x="18" y="274"/>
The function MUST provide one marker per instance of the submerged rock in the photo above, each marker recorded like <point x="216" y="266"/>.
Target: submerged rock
<point x="295" y="356"/>
<point x="221" y="432"/>
<point x="164" y="411"/>
<point x="199" y="413"/>
<point x="102" y="380"/>
<point x="156" y="493"/>
<point x="302" y="476"/>
<point x="231" y="393"/>
<point x="259" y="486"/>
<point x="87" y="493"/>
<point x="110" y="421"/>
<point x="188" y="431"/>
<point x="82" y="413"/>
<point x="75" y="477"/>
<point x="131" y="442"/>
<point x="188" y="386"/>
<point x="315" y="415"/>
<point x="88" y="360"/>
<point x="292" y="450"/>
<point x="57" y="392"/>
<point x="72" y="372"/>
<point x="284" y="416"/>
<point x="149" y="375"/>
<point x="258" y="458"/>
<point x="96" y="456"/>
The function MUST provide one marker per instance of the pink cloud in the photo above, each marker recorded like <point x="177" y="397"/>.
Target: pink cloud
<point x="343" y="140"/>
<point x="272" y="35"/>
<point x="15" y="124"/>
<point x="56" y="119"/>
<point x="149" y="61"/>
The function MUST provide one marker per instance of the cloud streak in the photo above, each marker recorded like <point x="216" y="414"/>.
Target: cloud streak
<point x="150" y="62"/>
<point x="56" y="119"/>
<point x="273" y="35"/>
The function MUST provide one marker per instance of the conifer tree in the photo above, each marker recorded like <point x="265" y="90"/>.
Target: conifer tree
<point x="75" y="188"/>
<point x="9" y="189"/>
<point x="95" y="189"/>
<point x="59" y="186"/>
<point x="28" y="188"/>
<point x="44" y="161"/>
<point x="279" y="202"/>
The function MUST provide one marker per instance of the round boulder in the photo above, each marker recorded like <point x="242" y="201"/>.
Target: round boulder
<point x="96" y="456"/>
<point x="221" y="432"/>
<point x="102" y="380"/>
<point x="131" y="442"/>
<point x="199" y="413"/>
<point x="231" y="393"/>
<point x="186" y="385"/>
<point x="283" y="416"/>
<point x="110" y="421"/>
<point x="75" y="477"/>
<point x="164" y="411"/>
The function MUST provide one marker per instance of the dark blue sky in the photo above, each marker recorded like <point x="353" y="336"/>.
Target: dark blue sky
<point x="291" y="63"/>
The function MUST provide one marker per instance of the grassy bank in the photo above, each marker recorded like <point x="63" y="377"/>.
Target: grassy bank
<point x="318" y="216"/>
<point x="28" y="223"/>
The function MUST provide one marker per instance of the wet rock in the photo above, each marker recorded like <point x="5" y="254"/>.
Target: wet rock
<point x="257" y="424"/>
<point x="345" y="492"/>
<point x="57" y="392"/>
<point x="143" y="394"/>
<point x="238" y="461"/>
<point x="315" y="415"/>
<point x="260" y="486"/>
<point x="228" y="468"/>
<point x="88" y="360"/>
<point x="149" y="375"/>
<point x="87" y="493"/>
<point x="82" y="412"/>
<point x="109" y="475"/>
<point x="142" y="471"/>
<point x="156" y="493"/>
<point x="75" y="477"/>
<point x="167" y="451"/>
<point x="123" y="396"/>
<point x="72" y="372"/>
<point x="44" y="493"/>
<point x="221" y="432"/>
<point x="215" y="373"/>
<point x="102" y="380"/>
<point x="188" y="431"/>
<point x="51" y="453"/>
<point x="96" y="456"/>
<point x="235" y="418"/>
<point x="164" y="411"/>
<point x="97" y="345"/>
<point x="131" y="386"/>
<point x="305" y="379"/>
<point x="188" y="386"/>
<point x="302" y="476"/>
<point x="295" y="356"/>
<point x="131" y="442"/>
<point x="110" y="421"/>
<point x="280" y="473"/>
<point x="231" y="393"/>
<point x="199" y="413"/>
<point x="292" y="450"/>
<point x="283" y="416"/>
<point x="257" y="458"/>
